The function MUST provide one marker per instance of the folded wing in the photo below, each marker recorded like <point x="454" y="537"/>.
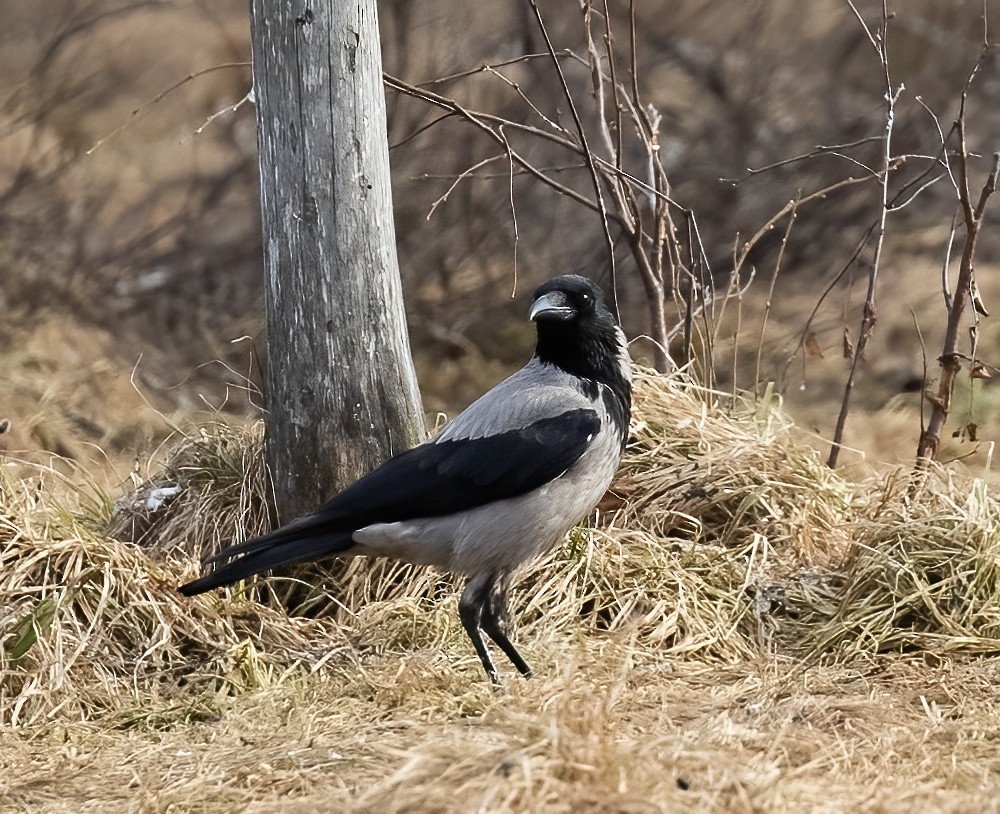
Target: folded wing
<point x="437" y="478"/>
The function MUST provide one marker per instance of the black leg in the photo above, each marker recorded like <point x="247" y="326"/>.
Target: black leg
<point x="470" y="610"/>
<point x="494" y="624"/>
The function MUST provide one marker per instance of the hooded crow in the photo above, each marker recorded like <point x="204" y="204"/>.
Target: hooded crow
<point x="499" y="486"/>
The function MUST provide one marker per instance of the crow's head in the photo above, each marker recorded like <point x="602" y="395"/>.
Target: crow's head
<point x="569" y="298"/>
<point x="577" y="332"/>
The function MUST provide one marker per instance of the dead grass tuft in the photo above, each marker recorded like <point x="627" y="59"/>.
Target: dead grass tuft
<point x="926" y="575"/>
<point x="91" y="627"/>
<point x="211" y="488"/>
<point x="727" y="630"/>
<point x="725" y="539"/>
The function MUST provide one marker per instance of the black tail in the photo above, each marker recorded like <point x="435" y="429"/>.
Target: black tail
<point x="284" y="546"/>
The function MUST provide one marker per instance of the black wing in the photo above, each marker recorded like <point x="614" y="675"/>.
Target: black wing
<point x="429" y="480"/>
<point x="449" y="476"/>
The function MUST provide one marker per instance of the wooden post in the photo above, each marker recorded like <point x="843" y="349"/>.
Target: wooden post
<point x="341" y="390"/>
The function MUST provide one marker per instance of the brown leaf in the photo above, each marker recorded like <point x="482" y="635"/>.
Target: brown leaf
<point x="812" y="345"/>
<point x="977" y="300"/>
<point x="848" y="344"/>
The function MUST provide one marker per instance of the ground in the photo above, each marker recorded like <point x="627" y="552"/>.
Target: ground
<point x="130" y="260"/>
<point x="599" y="729"/>
<point x="774" y="638"/>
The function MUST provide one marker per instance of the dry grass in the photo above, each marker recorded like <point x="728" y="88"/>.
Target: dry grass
<point x="93" y="629"/>
<point x="212" y="486"/>
<point x="741" y="630"/>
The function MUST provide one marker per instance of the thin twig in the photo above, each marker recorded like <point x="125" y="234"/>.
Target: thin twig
<point x="588" y="153"/>
<point x="945" y="287"/>
<point x="792" y="215"/>
<point x="869" y="313"/>
<point x="517" y="89"/>
<point x="807" y="325"/>
<point x="820" y="149"/>
<point x="942" y="138"/>
<point x="458" y="179"/>
<point x="159" y="97"/>
<point x="485" y="68"/>
<point x="513" y="209"/>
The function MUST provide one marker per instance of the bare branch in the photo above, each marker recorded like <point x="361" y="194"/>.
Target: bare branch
<point x="461" y="177"/>
<point x="869" y="314"/>
<point x="943" y="139"/>
<point x="876" y="43"/>
<point x="517" y="89"/>
<point x="945" y="287"/>
<point x="159" y="97"/>
<point x="895" y="207"/>
<point x="482" y="122"/>
<point x="792" y="215"/>
<point x="441" y="80"/>
<point x="988" y="188"/>
<point x="588" y="153"/>
<point x="513" y="209"/>
<point x="833" y="149"/>
<point x="966" y="290"/>
<point x="609" y="49"/>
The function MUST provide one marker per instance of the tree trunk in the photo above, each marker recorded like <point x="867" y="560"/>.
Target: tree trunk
<point x="341" y="391"/>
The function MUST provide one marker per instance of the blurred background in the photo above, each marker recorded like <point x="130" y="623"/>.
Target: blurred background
<point x="130" y="253"/>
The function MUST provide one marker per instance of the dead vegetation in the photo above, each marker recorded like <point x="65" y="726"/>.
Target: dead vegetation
<point x="741" y="628"/>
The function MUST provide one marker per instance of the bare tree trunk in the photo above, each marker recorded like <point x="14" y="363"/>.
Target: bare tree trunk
<point x="341" y="391"/>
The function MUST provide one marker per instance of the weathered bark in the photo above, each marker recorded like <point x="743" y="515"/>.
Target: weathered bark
<point x="341" y="391"/>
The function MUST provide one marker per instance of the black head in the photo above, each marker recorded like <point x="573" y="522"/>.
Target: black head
<point x="577" y="332"/>
<point x="566" y="299"/>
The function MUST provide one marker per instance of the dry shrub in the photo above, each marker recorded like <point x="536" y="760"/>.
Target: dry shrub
<point x="211" y="487"/>
<point x="926" y="576"/>
<point x="725" y="539"/>
<point x="91" y="627"/>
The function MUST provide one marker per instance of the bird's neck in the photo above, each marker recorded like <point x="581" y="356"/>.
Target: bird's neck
<point x="598" y="356"/>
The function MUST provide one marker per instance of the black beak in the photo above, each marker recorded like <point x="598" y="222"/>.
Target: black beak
<point x="553" y="305"/>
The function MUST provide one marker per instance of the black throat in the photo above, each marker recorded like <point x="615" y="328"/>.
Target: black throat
<point x="589" y="350"/>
